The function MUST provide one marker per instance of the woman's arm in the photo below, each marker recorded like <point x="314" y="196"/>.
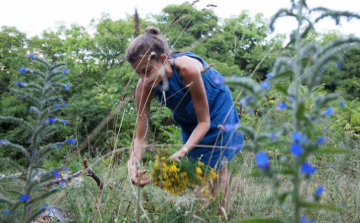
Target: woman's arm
<point x="190" y="72"/>
<point x="143" y="97"/>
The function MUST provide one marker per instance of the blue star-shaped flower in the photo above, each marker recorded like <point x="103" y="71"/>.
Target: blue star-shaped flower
<point x="307" y="169"/>
<point x="262" y="160"/>
<point x="296" y="149"/>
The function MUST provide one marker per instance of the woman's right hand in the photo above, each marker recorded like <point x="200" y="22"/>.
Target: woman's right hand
<point x="136" y="175"/>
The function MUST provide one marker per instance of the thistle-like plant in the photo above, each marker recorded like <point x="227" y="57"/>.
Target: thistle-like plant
<point x="304" y="68"/>
<point x="42" y="95"/>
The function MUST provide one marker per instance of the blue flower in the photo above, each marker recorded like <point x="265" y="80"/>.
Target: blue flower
<point x="57" y="106"/>
<point x="58" y="146"/>
<point x="307" y="169"/>
<point x="281" y="106"/>
<point x="62" y="184"/>
<point x="304" y="219"/>
<point x="329" y="111"/>
<point x="272" y="30"/>
<point x="44" y="207"/>
<point x="19" y="84"/>
<point x="32" y="56"/>
<point x="65" y="71"/>
<point x="219" y="79"/>
<point x="6" y="212"/>
<point x="63" y="76"/>
<point x="312" y="221"/>
<point x="292" y="98"/>
<point x="339" y="65"/>
<point x="71" y="141"/>
<point x="66" y="168"/>
<point x="269" y="75"/>
<point x="3" y="141"/>
<point x="66" y="104"/>
<point x="230" y="127"/>
<point x="52" y="120"/>
<point x="320" y="140"/>
<point x="262" y="160"/>
<point x="296" y="149"/>
<point x="272" y="136"/>
<point x="265" y="84"/>
<point x="323" y="69"/>
<point x="65" y="121"/>
<point x="67" y="87"/>
<point x="319" y="190"/>
<point x="342" y="104"/>
<point x="243" y="102"/>
<point x="298" y="137"/>
<point x="25" y="197"/>
<point x="23" y="70"/>
<point x="55" y="174"/>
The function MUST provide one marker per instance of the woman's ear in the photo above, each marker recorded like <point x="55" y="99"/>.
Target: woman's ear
<point x="163" y="57"/>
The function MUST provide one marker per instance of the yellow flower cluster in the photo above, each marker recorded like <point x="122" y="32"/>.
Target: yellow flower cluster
<point x="175" y="177"/>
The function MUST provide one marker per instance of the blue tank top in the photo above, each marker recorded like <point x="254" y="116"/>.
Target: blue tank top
<point x="178" y="99"/>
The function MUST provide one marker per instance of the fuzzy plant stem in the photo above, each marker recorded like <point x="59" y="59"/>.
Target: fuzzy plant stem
<point x="296" y="179"/>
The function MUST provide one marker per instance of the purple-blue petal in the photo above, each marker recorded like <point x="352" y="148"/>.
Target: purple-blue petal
<point x="307" y="169"/>
<point x="304" y="219"/>
<point x="52" y="120"/>
<point x="339" y="65"/>
<point x="269" y="75"/>
<point x="342" y="104"/>
<point x="25" y="197"/>
<point x="58" y="146"/>
<point x="62" y="184"/>
<point x="296" y="149"/>
<point x="262" y="160"/>
<point x="57" y="106"/>
<point x="265" y="84"/>
<point x="281" y="106"/>
<point x="319" y="190"/>
<point x="320" y="140"/>
<point x="71" y="141"/>
<point x="272" y="136"/>
<point x="67" y="87"/>
<point x="329" y="111"/>
<point x="23" y="70"/>
<point x="32" y="56"/>
<point x="55" y="174"/>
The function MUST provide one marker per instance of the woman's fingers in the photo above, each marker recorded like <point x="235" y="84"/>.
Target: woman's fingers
<point x="143" y="181"/>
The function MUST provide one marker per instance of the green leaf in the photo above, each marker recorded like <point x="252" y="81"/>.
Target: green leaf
<point x="282" y="89"/>
<point x="334" y="150"/>
<point x="300" y="111"/>
<point x="321" y="206"/>
<point x="286" y="73"/>
<point x="248" y="131"/>
<point x="260" y="220"/>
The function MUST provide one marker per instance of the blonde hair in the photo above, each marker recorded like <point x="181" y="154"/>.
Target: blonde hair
<point x="145" y="44"/>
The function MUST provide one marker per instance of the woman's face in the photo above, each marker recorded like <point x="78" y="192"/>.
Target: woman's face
<point x="150" y="72"/>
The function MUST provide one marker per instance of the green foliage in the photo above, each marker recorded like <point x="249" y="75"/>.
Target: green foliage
<point x="43" y="96"/>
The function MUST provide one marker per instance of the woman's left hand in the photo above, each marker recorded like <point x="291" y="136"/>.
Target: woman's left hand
<point x="178" y="154"/>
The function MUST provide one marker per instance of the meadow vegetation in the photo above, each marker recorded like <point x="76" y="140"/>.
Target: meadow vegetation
<point x="67" y="95"/>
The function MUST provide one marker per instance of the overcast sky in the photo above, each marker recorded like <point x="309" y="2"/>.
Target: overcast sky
<point x="34" y="16"/>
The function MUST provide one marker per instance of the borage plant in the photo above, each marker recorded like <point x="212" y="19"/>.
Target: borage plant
<point x="305" y="69"/>
<point x="27" y="203"/>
